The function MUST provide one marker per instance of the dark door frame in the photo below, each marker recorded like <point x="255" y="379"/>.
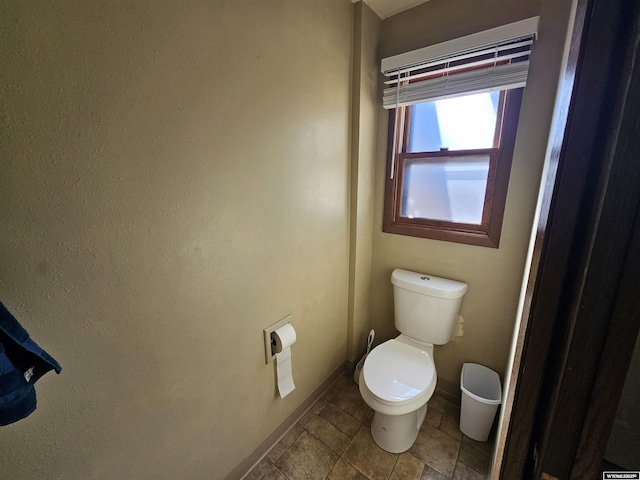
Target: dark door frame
<point x="582" y="304"/>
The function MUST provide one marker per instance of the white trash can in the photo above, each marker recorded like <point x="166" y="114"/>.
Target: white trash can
<point x="481" y="395"/>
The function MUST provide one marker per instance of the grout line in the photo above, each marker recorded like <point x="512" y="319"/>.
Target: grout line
<point x="296" y="422"/>
<point x="347" y="461"/>
<point x="362" y="424"/>
<point x="394" y="466"/>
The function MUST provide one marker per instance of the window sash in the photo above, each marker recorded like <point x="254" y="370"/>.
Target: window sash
<point x="488" y="233"/>
<point x="441" y="156"/>
<point x="407" y="125"/>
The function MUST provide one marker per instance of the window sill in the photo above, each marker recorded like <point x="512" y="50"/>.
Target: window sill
<point x="465" y="234"/>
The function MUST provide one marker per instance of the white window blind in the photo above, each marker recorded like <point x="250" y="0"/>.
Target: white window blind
<point x="495" y="59"/>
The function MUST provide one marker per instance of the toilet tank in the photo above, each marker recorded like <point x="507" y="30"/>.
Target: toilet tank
<point x="426" y="307"/>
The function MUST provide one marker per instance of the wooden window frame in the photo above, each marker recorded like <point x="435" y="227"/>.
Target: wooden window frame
<point x="487" y="234"/>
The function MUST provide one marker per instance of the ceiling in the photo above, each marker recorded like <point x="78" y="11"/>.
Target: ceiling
<point x="387" y="8"/>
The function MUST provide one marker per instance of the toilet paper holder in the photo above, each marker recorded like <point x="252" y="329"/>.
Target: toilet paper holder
<point x="269" y="355"/>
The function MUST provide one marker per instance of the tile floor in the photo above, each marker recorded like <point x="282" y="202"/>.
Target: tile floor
<point x="333" y="441"/>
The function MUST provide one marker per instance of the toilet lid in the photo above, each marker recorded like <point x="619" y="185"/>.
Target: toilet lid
<point x="397" y="372"/>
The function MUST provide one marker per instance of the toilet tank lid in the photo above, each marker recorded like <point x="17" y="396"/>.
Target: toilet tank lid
<point x="428" y="284"/>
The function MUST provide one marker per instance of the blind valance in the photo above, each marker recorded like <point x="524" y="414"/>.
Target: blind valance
<point x="494" y="59"/>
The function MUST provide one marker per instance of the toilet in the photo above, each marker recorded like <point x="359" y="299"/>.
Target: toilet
<point x="399" y="375"/>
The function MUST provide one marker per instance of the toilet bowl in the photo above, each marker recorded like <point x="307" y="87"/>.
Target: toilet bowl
<point x="399" y="376"/>
<point x="397" y="381"/>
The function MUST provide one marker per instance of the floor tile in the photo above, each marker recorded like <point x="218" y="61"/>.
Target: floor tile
<point x="368" y="458"/>
<point x="473" y="458"/>
<point x="307" y="459"/>
<point x="329" y="435"/>
<point x="407" y="467"/>
<point x="343" y="471"/>
<point x="313" y="412"/>
<point x="336" y="389"/>
<point x="349" y="425"/>
<point x="367" y="421"/>
<point x="438" y="403"/>
<point x="430" y="474"/>
<point x="462" y="472"/>
<point x="484" y="447"/>
<point x="285" y="442"/>
<point x="433" y="417"/>
<point x="333" y="441"/>
<point x="351" y="402"/>
<point x="331" y="414"/>
<point x="437" y="449"/>
<point x="274" y="474"/>
<point x="260" y="469"/>
<point x="451" y="421"/>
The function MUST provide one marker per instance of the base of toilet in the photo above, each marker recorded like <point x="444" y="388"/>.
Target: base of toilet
<point x="397" y="433"/>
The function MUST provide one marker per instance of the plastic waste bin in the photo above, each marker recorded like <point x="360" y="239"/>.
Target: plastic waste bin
<point x="481" y="395"/>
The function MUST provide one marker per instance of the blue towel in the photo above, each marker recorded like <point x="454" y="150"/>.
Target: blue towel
<point x="22" y="363"/>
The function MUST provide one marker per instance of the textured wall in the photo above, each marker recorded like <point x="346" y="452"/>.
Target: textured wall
<point x="174" y="179"/>
<point x="365" y="100"/>
<point x="494" y="275"/>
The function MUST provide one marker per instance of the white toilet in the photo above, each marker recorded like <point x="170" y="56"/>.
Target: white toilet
<point x="399" y="376"/>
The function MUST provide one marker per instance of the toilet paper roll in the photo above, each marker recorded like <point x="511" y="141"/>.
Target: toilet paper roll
<point x="283" y="338"/>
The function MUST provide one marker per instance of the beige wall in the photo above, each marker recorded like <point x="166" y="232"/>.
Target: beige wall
<point x="365" y="100"/>
<point x="494" y="275"/>
<point x="178" y="176"/>
<point x="174" y="179"/>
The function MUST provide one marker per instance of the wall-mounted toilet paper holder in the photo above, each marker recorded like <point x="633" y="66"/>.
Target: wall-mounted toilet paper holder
<point x="269" y="343"/>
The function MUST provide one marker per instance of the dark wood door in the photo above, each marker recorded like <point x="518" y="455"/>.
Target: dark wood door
<point x="584" y="292"/>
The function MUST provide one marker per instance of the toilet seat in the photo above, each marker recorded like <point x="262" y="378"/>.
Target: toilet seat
<point x="397" y="374"/>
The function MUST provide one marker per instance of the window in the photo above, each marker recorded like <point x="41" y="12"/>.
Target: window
<point x="453" y="117"/>
<point x="451" y="171"/>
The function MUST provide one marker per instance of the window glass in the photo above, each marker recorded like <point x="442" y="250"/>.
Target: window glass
<point x="450" y="189"/>
<point x="461" y="123"/>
